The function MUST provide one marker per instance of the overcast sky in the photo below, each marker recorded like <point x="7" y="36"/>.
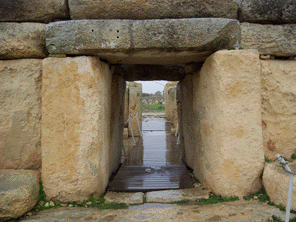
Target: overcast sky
<point x="153" y="86"/>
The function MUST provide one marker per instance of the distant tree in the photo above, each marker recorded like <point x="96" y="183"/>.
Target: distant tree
<point x="145" y="94"/>
<point x="158" y="94"/>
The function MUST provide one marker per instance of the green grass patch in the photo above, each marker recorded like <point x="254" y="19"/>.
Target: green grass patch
<point x="293" y="156"/>
<point x="262" y="196"/>
<point x="214" y="199"/>
<point x="268" y="160"/>
<point x="156" y="108"/>
<point x="112" y="205"/>
<point x="182" y="201"/>
<point x="144" y="200"/>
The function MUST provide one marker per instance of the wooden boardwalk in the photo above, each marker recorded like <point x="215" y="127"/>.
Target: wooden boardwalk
<point x="153" y="164"/>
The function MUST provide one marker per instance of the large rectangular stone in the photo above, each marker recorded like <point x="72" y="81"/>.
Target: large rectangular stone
<point x="75" y="127"/>
<point x="116" y="121"/>
<point x="156" y="9"/>
<point x="279" y="107"/>
<point x="22" y="40"/>
<point x="228" y="156"/>
<point x="277" y="40"/>
<point x="135" y="106"/>
<point x="43" y="11"/>
<point x="20" y="113"/>
<point x="160" y="41"/>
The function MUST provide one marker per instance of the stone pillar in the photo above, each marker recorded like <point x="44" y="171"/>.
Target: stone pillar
<point x="228" y="156"/>
<point x="75" y="127"/>
<point x="126" y="104"/>
<point x="166" y="97"/>
<point x="187" y="118"/>
<point x="20" y="114"/>
<point x="116" y="121"/>
<point x="135" y="105"/>
<point x="279" y="107"/>
<point x="172" y="103"/>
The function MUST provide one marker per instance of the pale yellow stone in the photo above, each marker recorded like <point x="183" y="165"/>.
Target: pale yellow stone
<point x="124" y="197"/>
<point x="166" y="98"/>
<point x="20" y="113"/>
<point x="168" y="196"/>
<point x="135" y="106"/>
<point x="279" y="107"/>
<point x="228" y="156"/>
<point x="75" y="127"/>
<point x="276" y="183"/>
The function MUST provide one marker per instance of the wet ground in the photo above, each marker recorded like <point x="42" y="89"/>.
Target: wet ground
<point x="154" y="163"/>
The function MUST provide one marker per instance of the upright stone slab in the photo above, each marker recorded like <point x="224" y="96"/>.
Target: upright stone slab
<point x="268" y="11"/>
<point x="166" y="98"/>
<point x="116" y="122"/>
<point x="159" y="41"/>
<point x="20" y="113"/>
<point x="229" y="157"/>
<point x="279" y="107"/>
<point x="277" y="40"/>
<point x="188" y="119"/>
<point x="172" y="102"/>
<point x="135" y="105"/>
<point x="43" y="11"/>
<point x="22" y="40"/>
<point x="75" y="127"/>
<point x="156" y="9"/>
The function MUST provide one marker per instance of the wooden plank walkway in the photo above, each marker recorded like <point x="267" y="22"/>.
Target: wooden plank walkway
<point x="153" y="164"/>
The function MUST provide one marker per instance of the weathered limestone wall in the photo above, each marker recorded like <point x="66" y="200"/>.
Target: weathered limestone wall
<point x="135" y="105"/>
<point x="20" y="113"/>
<point x="228" y="153"/>
<point x="279" y="107"/>
<point x="172" y="105"/>
<point x="75" y="127"/>
<point x="116" y="121"/>
<point x="187" y="119"/>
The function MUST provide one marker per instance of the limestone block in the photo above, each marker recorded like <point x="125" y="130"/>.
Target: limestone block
<point x="22" y="40"/>
<point x="135" y="105"/>
<point x="157" y="9"/>
<point x="124" y="197"/>
<point x="279" y="107"/>
<point x="19" y="192"/>
<point x="172" y="105"/>
<point x="21" y="112"/>
<point x="276" y="184"/>
<point x="126" y="105"/>
<point x="228" y="156"/>
<point x="268" y="11"/>
<point x="125" y="133"/>
<point x="43" y="11"/>
<point x="116" y="122"/>
<point x="277" y="40"/>
<point x="75" y="127"/>
<point x="161" y="41"/>
<point x="187" y="130"/>
<point x="166" y="98"/>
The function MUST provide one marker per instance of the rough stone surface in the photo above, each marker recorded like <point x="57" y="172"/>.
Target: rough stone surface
<point x="279" y="107"/>
<point x="19" y="192"/>
<point x="124" y="197"/>
<point x="227" y="119"/>
<point x="43" y="11"/>
<point x="116" y="122"/>
<point x="268" y="11"/>
<point x="22" y="40"/>
<point x="75" y="127"/>
<point x="166" y="97"/>
<point x="172" y="106"/>
<point x="143" y="41"/>
<point x="240" y="211"/>
<point x="126" y="105"/>
<point x="156" y="9"/>
<point x="169" y="196"/>
<point x="187" y="118"/>
<point x="135" y="105"/>
<point x="276" y="183"/>
<point x="20" y="113"/>
<point x="277" y="40"/>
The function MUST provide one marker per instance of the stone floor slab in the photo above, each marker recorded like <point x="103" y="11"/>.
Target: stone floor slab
<point x="239" y="211"/>
<point x="124" y="197"/>
<point x="177" y="195"/>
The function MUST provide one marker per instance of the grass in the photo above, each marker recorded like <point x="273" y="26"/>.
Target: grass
<point x="182" y="201"/>
<point x="268" y="160"/>
<point x="262" y="196"/>
<point x="144" y="200"/>
<point x="155" y="108"/>
<point x="214" y="199"/>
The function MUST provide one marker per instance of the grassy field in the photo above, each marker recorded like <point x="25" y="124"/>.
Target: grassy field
<point x="154" y="108"/>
